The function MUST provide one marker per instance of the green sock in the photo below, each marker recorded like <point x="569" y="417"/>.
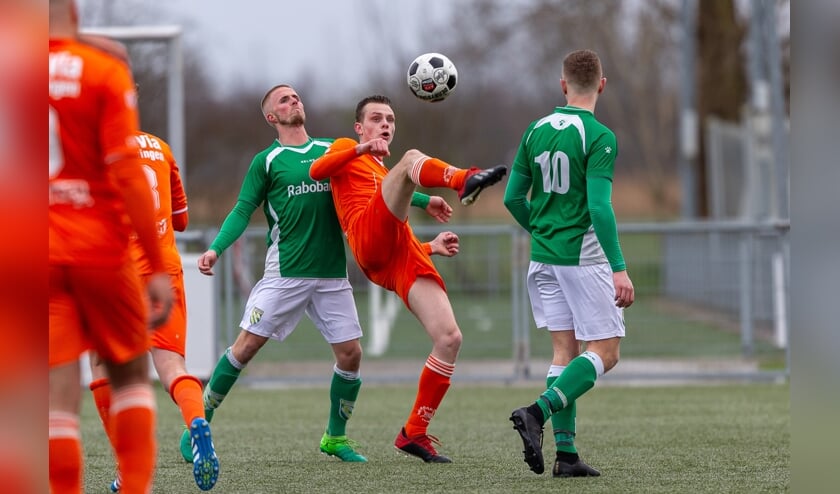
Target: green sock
<point x="577" y="378"/>
<point x="224" y="377"/>
<point x="563" y="424"/>
<point x="343" y="393"/>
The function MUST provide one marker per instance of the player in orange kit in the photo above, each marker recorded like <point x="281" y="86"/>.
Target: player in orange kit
<point x="169" y="340"/>
<point x="98" y="195"/>
<point x="372" y="204"/>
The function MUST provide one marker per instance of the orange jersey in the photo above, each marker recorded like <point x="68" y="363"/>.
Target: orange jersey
<point x="93" y="118"/>
<point x="383" y="245"/>
<point x="169" y="199"/>
<point x="353" y="182"/>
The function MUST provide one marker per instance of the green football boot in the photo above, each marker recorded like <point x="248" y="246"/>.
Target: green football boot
<point x="186" y="446"/>
<point x="341" y="447"/>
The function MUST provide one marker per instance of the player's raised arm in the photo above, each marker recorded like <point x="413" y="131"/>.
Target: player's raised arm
<point x="340" y="153"/>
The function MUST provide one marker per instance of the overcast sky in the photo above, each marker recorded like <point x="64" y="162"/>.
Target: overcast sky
<point x="263" y="42"/>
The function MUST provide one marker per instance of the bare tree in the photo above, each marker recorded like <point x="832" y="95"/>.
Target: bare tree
<point x="722" y="83"/>
<point x="508" y="54"/>
<point x="516" y="49"/>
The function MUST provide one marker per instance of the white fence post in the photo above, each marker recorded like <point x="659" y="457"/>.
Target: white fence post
<point x="382" y="308"/>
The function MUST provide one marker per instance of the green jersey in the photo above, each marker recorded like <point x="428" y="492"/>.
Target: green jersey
<point x="304" y="238"/>
<point x="567" y="158"/>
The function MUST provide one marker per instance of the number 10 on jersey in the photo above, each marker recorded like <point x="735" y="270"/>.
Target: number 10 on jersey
<point x="555" y="171"/>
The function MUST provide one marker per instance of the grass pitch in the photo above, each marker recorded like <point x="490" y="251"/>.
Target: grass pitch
<point x="716" y="439"/>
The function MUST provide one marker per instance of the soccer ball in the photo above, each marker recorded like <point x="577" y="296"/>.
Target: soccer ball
<point x="432" y="77"/>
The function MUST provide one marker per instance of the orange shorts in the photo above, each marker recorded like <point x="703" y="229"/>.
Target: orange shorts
<point x="99" y="308"/>
<point x="387" y="251"/>
<point x="172" y="335"/>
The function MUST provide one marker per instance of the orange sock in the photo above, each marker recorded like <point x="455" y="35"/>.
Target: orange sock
<point x="434" y="382"/>
<point x="186" y="391"/>
<point x="432" y="172"/>
<point x="133" y="428"/>
<point x="66" y="469"/>
<point x="101" y="389"/>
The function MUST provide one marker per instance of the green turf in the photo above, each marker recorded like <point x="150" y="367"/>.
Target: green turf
<point x="693" y="439"/>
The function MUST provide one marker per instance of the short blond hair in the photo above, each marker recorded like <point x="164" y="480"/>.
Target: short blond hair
<point x="267" y="94"/>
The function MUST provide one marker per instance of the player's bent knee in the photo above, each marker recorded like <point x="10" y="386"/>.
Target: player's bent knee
<point x="616" y="358"/>
<point x="457" y="339"/>
<point x="450" y="341"/>
<point x="409" y="158"/>
<point x="412" y="155"/>
<point x="348" y="357"/>
<point x="610" y="360"/>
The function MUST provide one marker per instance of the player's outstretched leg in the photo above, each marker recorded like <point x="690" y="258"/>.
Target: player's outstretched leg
<point x="531" y="432"/>
<point x="478" y="180"/>
<point x="577" y="468"/>
<point x="205" y="461"/>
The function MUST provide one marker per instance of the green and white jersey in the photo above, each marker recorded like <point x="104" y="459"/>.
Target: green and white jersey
<point x="558" y="153"/>
<point x="304" y="237"/>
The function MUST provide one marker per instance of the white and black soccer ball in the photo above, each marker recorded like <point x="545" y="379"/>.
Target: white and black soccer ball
<point x="432" y="77"/>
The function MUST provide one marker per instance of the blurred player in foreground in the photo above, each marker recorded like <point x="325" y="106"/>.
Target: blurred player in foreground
<point x="96" y="296"/>
<point x="372" y="203"/>
<point x="577" y="279"/>
<point x="23" y="295"/>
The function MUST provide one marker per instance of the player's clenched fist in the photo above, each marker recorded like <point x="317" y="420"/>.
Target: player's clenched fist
<point x="445" y="244"/>
<point x="207" y="261"/>
<point x="159" y="289"/>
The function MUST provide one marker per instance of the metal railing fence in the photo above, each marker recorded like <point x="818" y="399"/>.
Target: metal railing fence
<point x="712" y="302"/>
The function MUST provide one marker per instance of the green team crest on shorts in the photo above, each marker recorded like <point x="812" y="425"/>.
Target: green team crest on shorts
<point x="256" y="315"/>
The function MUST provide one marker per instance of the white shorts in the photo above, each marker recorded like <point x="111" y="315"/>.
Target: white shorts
<point x="276" y="305"/>
<point x="575" y="297"/>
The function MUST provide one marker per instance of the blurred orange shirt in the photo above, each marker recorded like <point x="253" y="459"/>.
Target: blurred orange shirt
<point x="87" y="221"/>
<point x="164" y="178"/>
